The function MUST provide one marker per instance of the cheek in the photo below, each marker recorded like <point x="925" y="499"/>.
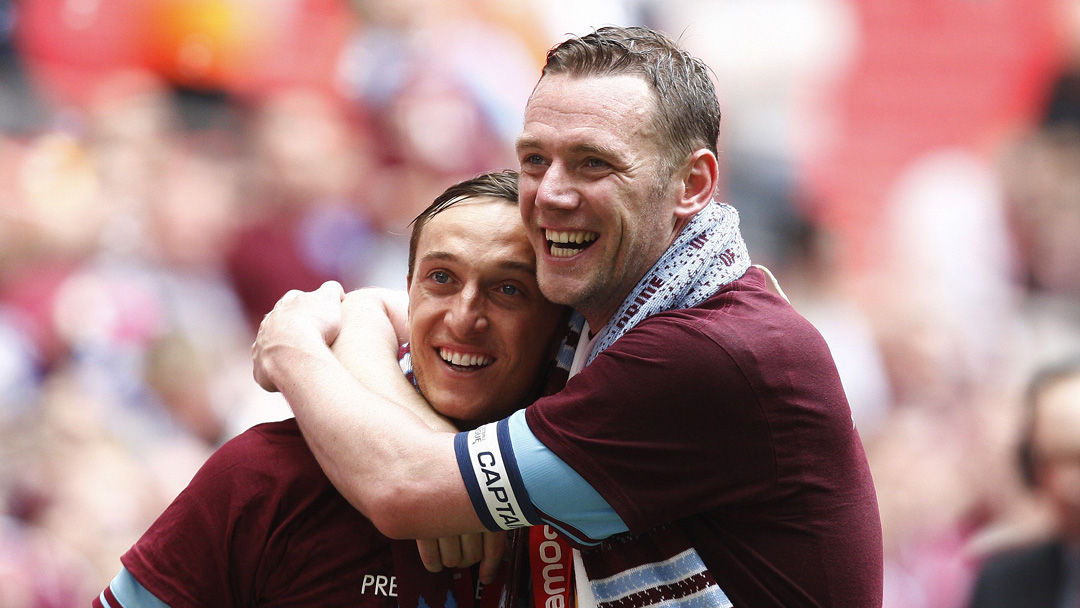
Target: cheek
<point x="532" y="350"/>
<point x="422" y="320"/>
<point x="526" y="196"/>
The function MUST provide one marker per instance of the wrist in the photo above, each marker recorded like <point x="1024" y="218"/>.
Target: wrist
<point x="289" y="361"/>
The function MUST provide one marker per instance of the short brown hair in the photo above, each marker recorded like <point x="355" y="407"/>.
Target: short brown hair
<point x="496" y="184"/>
<point x="687" y="111"/>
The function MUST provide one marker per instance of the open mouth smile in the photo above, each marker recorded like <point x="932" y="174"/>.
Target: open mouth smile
<point x="465" y="362"/>
<point x="565" y="244"/>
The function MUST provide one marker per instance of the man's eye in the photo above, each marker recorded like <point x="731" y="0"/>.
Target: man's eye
<point x="596" y="163"/>
<point x="532" y="159"/>
<point x="440" y="277"/>
<point x="509" y="290"/>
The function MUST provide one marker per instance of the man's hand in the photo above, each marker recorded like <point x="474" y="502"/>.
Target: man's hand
<point x="466" y="550"/>
<point x="299" y="320"/>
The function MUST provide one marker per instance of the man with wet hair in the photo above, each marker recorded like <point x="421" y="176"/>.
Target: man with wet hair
<point x="261" y="525"/>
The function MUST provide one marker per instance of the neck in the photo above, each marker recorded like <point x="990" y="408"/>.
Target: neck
<point x="599" y="318"/>
<point x="596" y="322"/>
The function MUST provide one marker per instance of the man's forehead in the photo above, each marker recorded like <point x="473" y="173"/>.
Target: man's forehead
<point x="482" y="231"/>
<point x="584" y="93"/>
<point x="503" y="261"/>
<point x="473" y="215"/>
<point x="595" y="115"/>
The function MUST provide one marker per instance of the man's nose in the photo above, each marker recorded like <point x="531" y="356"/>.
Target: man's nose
<point x="467" y="315"/>
<point x="556" y="189"/>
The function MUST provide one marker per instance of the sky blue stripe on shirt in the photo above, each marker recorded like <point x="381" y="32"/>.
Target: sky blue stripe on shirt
<point x="132" y="594"/>
<point x="556" y="490"/>
<point x="512" y="470"/>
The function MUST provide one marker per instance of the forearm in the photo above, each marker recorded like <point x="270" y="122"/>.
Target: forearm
<point x="373" y="327"/>
<point x="383" y="459"/>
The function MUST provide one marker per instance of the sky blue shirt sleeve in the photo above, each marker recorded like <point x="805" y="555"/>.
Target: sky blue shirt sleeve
<point x="562" y="497"/>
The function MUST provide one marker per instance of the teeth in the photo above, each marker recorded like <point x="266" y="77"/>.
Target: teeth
<point x="572" y="236"/>
<point x="464" y="359"/>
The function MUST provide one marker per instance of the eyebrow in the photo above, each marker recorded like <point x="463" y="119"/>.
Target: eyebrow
<point x="526" y="142"/>
<point x="522" y="266"/>
<point x="504" y="264"/>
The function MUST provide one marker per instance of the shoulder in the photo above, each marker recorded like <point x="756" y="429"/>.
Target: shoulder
<point x="262" y="446"/>
<point x="748" y="329"/>
<point x="742" y="312"/>
<point x="266" y="436"/>
<point x="742" y="326"/>
<point x="267" y="460"/>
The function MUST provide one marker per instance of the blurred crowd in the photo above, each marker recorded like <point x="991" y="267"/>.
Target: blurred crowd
<point x="909" y="170"/>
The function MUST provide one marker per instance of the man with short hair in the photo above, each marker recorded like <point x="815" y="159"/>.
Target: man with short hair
<point x="702" y="452"/>
<point x="260" y="524"/>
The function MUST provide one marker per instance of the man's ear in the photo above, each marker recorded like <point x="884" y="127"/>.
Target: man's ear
<point x="700" y="177"/>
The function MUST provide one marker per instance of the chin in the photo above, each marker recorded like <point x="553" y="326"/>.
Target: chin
<point x="558" y="292"/>
<point x="490" y="412"/>
<point x="464" y="412"/>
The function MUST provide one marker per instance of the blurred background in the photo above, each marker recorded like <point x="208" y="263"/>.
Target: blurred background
<point x="909" y="169"/>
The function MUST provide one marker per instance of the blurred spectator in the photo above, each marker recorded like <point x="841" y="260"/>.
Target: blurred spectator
<point x="304" y="219"/>
<point x="433" y="74"/>
<point x="1063" y="106"/>
<point x="20" y="109"/>
<point x="772" y="97"/>
<point x="1040" y="173"/>
<point x="1042" y="179"/>
<point x="925" y="517"/>
<point x="1044" y="572"/>
<point x="946" y="245"/>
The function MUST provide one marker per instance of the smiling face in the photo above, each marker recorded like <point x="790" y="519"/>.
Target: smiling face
<point x="480" y="329"/>
<point x="596" y="197"/>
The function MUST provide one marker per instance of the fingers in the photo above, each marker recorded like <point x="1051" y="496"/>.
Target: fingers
<point x="429" y="554"/>
<point x="494" y="545"/>
<point x="472" y="549"/>
<point x="262" y="376"/>
<point x="332" y="289"/>
<point x="463" y="551"/>
<point x="262" y="379"/>
<point x="450" y="548"/>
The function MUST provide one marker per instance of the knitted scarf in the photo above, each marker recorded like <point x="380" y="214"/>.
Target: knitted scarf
<point x="708" y="254"/>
